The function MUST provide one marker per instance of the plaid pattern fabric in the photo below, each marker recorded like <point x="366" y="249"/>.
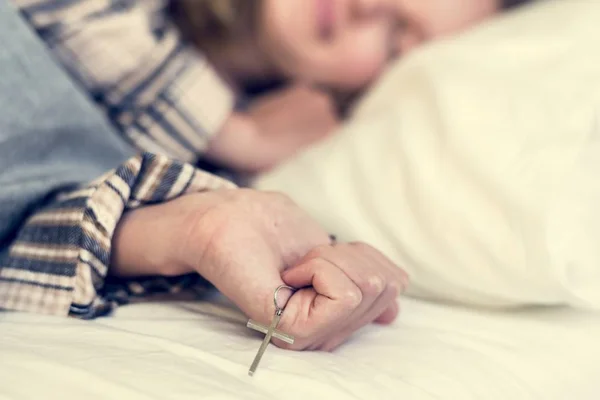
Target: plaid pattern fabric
<point x="58" y="262"/>
<point x="159" y="92"/>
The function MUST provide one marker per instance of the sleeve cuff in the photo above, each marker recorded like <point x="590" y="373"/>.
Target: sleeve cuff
<point x="59" y="259"/>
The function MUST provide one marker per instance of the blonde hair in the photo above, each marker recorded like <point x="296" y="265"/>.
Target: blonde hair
<point x="215" y="23"/>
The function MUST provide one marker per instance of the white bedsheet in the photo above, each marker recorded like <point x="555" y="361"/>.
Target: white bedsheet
<point x="202" y="351"/>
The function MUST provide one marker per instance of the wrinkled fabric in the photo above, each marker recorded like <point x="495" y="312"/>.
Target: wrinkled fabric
<point x="66" y="178"/>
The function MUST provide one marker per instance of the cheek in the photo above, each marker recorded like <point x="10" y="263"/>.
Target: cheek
<point x="361" y="57"/>
<point x="452" y="16"/>
<point x="285" y="32"/>
<point x="357" y="68"/>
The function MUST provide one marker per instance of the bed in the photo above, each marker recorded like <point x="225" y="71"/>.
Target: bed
<point x="202" y="350"/>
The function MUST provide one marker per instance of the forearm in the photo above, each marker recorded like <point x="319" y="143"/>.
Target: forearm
<point x="61" y="254"/>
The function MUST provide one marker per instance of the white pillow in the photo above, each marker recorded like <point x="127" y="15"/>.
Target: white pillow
<point x="475" y="163"/>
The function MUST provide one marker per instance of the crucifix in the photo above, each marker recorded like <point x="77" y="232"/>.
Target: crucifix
<point x="270" y="331"/>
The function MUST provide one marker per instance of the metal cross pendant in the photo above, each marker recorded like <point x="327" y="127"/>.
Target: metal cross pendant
<point x="270" y="332"/>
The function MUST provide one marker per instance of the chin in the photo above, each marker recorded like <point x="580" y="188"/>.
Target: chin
<point x="362" y="74"/>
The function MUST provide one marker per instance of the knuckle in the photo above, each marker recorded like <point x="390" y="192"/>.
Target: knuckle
<point x="352" y="298"/>
<point x="373" y="285"/>
<point x="378" y="282"/>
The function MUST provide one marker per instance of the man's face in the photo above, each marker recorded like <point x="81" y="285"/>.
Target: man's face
<point x="346" y="43"/>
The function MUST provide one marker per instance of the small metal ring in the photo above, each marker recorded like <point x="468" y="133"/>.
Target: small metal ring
<point x="277" y="308"/>
<point x="333" y="240"/>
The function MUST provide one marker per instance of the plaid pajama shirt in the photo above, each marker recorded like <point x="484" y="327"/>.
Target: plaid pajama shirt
<point x="164" y="99"/>
<point x="59" y="260"/>
<point x="156" y="89"/>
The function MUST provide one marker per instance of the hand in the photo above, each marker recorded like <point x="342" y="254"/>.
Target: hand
<point x="251" y="237"/>
<point x="242" y="241"/>
<point x="276" y="127"/>
<point x="344" y="288"/>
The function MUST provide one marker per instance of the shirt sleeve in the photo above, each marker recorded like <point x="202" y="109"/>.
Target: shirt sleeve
<point x="59" y="258"/>
<point x="159" y="91"/>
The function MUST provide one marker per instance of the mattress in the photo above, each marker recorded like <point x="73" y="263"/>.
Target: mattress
<point x="202" y="350"/>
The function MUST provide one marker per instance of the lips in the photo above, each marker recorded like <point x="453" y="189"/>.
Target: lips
<point x="325" y="18"/>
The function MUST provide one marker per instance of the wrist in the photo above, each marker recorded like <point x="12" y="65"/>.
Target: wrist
<point x="206" y="214"/>
<point x="151" y="240"/>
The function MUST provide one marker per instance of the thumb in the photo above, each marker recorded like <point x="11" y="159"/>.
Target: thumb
<point x="325" y="277"/>
<point x="335" y="295"/>
<point x="326" y="297"/>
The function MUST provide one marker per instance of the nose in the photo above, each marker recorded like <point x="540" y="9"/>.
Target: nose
<point x="369" y="8"/>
